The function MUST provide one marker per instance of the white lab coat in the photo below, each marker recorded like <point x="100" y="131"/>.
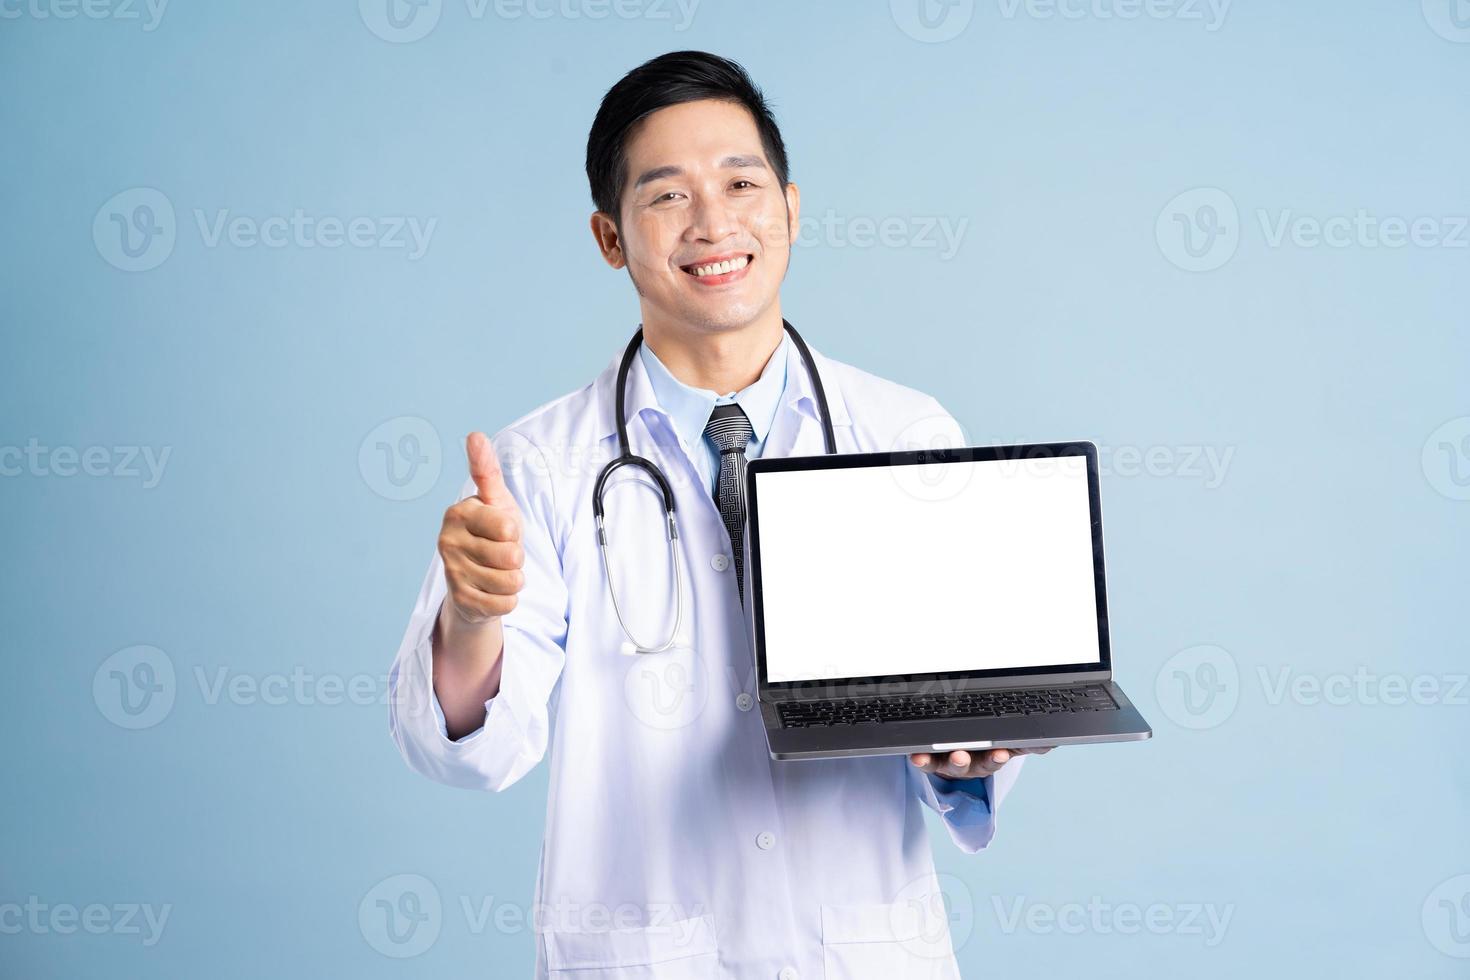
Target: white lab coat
<point x="675" y="846"/>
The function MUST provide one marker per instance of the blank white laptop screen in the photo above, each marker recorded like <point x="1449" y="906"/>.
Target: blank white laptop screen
<point x="926" y="568"/>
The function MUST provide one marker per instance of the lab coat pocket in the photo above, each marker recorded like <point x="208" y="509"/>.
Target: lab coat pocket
<point x="884" y="942"/>
<point x="674" y="949"/>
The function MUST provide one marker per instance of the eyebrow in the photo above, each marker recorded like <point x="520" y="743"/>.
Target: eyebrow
<point x="729" y="163"/>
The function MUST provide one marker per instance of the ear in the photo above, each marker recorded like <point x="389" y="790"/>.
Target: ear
<point x="609" y="242"/>
<point x="793" y="209"/>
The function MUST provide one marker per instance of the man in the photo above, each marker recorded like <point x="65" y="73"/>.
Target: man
<point x="675" y="846"/>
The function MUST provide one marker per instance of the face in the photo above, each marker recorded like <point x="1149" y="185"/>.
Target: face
<point x="706" y="227"/>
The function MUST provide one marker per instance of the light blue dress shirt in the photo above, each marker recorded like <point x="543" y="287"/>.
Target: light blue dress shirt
<point x="690" y="407"/>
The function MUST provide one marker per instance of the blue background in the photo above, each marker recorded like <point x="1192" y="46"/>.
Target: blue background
<point x="1334" y="541"/>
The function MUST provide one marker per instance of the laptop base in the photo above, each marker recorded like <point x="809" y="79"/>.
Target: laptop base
<point x="1124" y="724"/>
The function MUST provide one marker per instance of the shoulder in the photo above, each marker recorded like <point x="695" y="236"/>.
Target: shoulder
<point x="557" y="421"/>
<point x="886" y="415"/>
<point x="548" y="446"/>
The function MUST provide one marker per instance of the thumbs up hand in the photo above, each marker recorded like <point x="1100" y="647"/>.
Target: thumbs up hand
<point x="480" y="541"/>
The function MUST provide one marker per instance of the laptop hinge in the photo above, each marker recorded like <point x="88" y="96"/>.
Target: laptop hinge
<point x="827" y="690"/>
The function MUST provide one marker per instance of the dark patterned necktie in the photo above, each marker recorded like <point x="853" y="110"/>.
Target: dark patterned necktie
<point x="730" y="431"/>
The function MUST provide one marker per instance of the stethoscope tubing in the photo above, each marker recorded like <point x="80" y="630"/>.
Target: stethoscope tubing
<point x="626" y="457"/>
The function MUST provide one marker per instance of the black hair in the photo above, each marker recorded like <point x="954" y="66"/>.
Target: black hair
<point x="670" y="79"/>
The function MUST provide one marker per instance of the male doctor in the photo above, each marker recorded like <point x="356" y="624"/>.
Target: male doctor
<point x="675" y="846"/>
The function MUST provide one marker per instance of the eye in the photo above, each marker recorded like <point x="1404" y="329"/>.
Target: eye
<point x="665" y="196"/>
<point x="742" y="180"/>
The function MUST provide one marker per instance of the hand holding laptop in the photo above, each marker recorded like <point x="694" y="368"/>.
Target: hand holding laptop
<point x="961" y="764"/>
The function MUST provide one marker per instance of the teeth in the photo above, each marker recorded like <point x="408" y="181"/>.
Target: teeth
<point x="720" y="268"/>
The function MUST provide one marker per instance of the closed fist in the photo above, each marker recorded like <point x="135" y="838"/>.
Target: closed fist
<point x="480" y="541"/>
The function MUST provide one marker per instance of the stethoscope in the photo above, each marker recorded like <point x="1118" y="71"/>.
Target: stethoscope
<point x="627" y="458"/>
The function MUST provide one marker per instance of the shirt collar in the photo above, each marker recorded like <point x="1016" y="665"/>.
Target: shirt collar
<point x="690" y="407"/>
<point x="799" y="393"/>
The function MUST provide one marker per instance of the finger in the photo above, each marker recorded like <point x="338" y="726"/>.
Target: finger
<point x="485" y="470"/>
<point x="494" y="523"/>
<point x="954" y="765"/>
<point x="985" y="764"/>
<point x="491" y="554"/>
<point x="982" y="764"/>
<point x="476" y="606"/>
<point x="493" y="581"/>
<point x="923" y="760"/>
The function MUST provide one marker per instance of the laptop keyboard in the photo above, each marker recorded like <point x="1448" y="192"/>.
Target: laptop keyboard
<point x="959" y="704"/>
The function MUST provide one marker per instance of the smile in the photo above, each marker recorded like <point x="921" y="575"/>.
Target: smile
<point x="723" y="271"/>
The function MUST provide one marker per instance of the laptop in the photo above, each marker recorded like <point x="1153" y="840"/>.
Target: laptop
<point x="931" y="600"/>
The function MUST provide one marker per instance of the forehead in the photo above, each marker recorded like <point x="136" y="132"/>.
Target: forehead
<point x="692" y="133"/>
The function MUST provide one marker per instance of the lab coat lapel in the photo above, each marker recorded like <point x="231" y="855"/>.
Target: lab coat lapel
<point x="797" y="430"/>
<point x="793" y="433"/>
<point x="651" y="432"/>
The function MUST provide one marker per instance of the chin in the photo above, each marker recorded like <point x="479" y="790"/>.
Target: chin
<point x="722" y="322"/>
<point x="727" y="318"/>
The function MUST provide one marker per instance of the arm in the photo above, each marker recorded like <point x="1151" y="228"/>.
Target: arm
<point x="466" y="657"/>
<point x="493" y="722"/>
<point x="480" y="546"/>
<point x="966" y="789"/>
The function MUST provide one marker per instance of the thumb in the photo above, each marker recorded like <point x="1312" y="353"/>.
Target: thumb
<point x="485" y="470"/>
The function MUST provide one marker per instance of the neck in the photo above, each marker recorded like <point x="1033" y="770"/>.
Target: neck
<point x="723" y="362"/>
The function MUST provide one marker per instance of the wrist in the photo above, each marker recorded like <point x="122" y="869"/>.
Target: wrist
<point x="455" y="631"/>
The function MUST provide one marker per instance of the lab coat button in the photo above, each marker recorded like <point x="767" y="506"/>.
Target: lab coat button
<point x="765" y="840"/>
<point x="787" y="973"/>
<point x="744" y="701"/>
<point x="720" y="562"/>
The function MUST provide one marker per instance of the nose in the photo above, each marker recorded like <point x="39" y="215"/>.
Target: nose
<point x="711" y="219"/>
